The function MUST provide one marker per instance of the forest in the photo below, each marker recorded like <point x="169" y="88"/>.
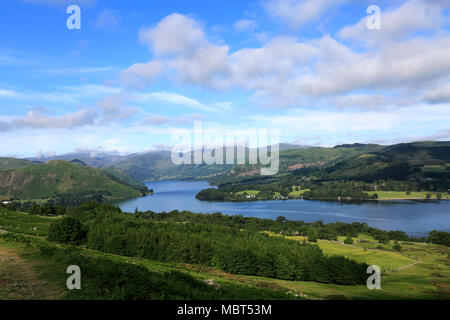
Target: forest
<point x="198" y="241"/>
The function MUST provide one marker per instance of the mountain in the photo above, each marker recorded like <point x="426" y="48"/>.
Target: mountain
<point x="119" y="174"/>
<point x="60" y="179"/>
<point x="13" y="163"/>
<point x="397" y="162"/>
<point x="158" y="165"/>
<point x="311" y="157"/>
<point x="92" y="159"/>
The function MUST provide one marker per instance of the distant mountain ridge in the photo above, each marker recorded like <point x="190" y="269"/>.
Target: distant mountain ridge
<point x="355" y="160"/>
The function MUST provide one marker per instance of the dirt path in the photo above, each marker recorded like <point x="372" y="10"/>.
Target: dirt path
<point x="19" y="281"/>
<point x="409" y="265"/>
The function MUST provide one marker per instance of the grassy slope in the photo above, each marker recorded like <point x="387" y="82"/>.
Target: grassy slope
<point x="420" y="271"/>
<point x="13" y="163"/>
<point x="62" y="177"/>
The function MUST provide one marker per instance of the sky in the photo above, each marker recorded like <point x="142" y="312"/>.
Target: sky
<point x="136" y="71"/>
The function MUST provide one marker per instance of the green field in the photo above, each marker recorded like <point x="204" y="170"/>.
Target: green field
<point x="385" y="195"/>
<point x="24" y="223"/>
<point x="293" y="194"/>
<point x="297" y="193"/>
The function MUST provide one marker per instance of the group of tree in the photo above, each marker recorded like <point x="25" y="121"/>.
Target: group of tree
<point x="203" y="242"/>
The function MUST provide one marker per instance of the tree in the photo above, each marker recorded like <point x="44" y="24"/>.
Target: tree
<point x="281" y="219"/>
<point x="397" y="247"/>
<point x="67" y="230"/>
<point x="312" y="238"/>
<point x="35" y="209"/>
<point x="348" y="240"/>
<point x="428" y="196"/>
<point x="439" y="196"/>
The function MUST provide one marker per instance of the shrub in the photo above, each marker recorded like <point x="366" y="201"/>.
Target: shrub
<point x="67" y="230"/>
<point x="348" y="240"/>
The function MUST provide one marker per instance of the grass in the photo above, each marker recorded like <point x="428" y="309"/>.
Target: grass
<point x="385" y="195"/>
<point x="39" y="277"/>
<point x="24" y="223"/>
<point x="420" y="271"/>
<point x="297" y="193"/>
<point x="293" y="194"/>
<point x="249" y="192"/>
<point x="388" y="261"/>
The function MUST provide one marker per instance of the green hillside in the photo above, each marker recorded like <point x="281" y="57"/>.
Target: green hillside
<point x="13" y="163"/>
<point x="317" y="157"/>
<point x="355" y="171"/>
<point x="398" y="162"/>
<point x="58" y="178"/>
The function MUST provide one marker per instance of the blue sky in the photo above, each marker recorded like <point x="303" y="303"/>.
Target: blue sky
<point x="137" y="70"/>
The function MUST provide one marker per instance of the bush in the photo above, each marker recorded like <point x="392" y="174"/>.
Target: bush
<point x="348" y="240"/>
<point x="397" y="247"/>
<point x="67" y="230"/>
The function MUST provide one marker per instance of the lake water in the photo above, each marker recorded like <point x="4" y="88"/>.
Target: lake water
<point x="416" y="218"/>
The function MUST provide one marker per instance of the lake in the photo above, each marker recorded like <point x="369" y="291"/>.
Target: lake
<point x="416" y="218"/>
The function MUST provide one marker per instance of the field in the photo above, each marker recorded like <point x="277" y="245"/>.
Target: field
<point x="293" y="194"/>
<point x="419" y="271"/>
<point x="24" y="223"/>
<point x="386" y="195"/>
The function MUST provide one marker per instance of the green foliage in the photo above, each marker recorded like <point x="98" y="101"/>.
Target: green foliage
<point x="348" y="240"/>
<point x="439" y="237"/>
<point x="229" y="248"/>
<point x="67" y="230"/>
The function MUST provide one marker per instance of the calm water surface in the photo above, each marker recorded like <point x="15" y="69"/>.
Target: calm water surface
<point x="416" y="218"/>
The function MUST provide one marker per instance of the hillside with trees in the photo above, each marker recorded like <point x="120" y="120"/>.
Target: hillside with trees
<point x="64" y="182"/>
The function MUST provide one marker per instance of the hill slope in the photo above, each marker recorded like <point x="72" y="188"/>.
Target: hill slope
<point x="13" y="163"/>
<point x="59" y="179"/>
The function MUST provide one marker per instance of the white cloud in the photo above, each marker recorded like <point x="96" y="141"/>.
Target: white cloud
<point x="287" y="71"/>
<point x="160" y="119"/>
<point x="397" y="23"/>
<point x="438" y="95"/>
<point x="175" y="34"/>
<point x="175" y="98"/>
<point x="142" y="74"/>
<point x="108" y="19"/>
<point x="36" y="119"/>
<point x="114" y="108"/>
<point x="298" y="12"/>
<point x="245" y="25"/>
<point x="155" y="120"/>
<point x="206" y="66"/>
<point x="8" y="93"/>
